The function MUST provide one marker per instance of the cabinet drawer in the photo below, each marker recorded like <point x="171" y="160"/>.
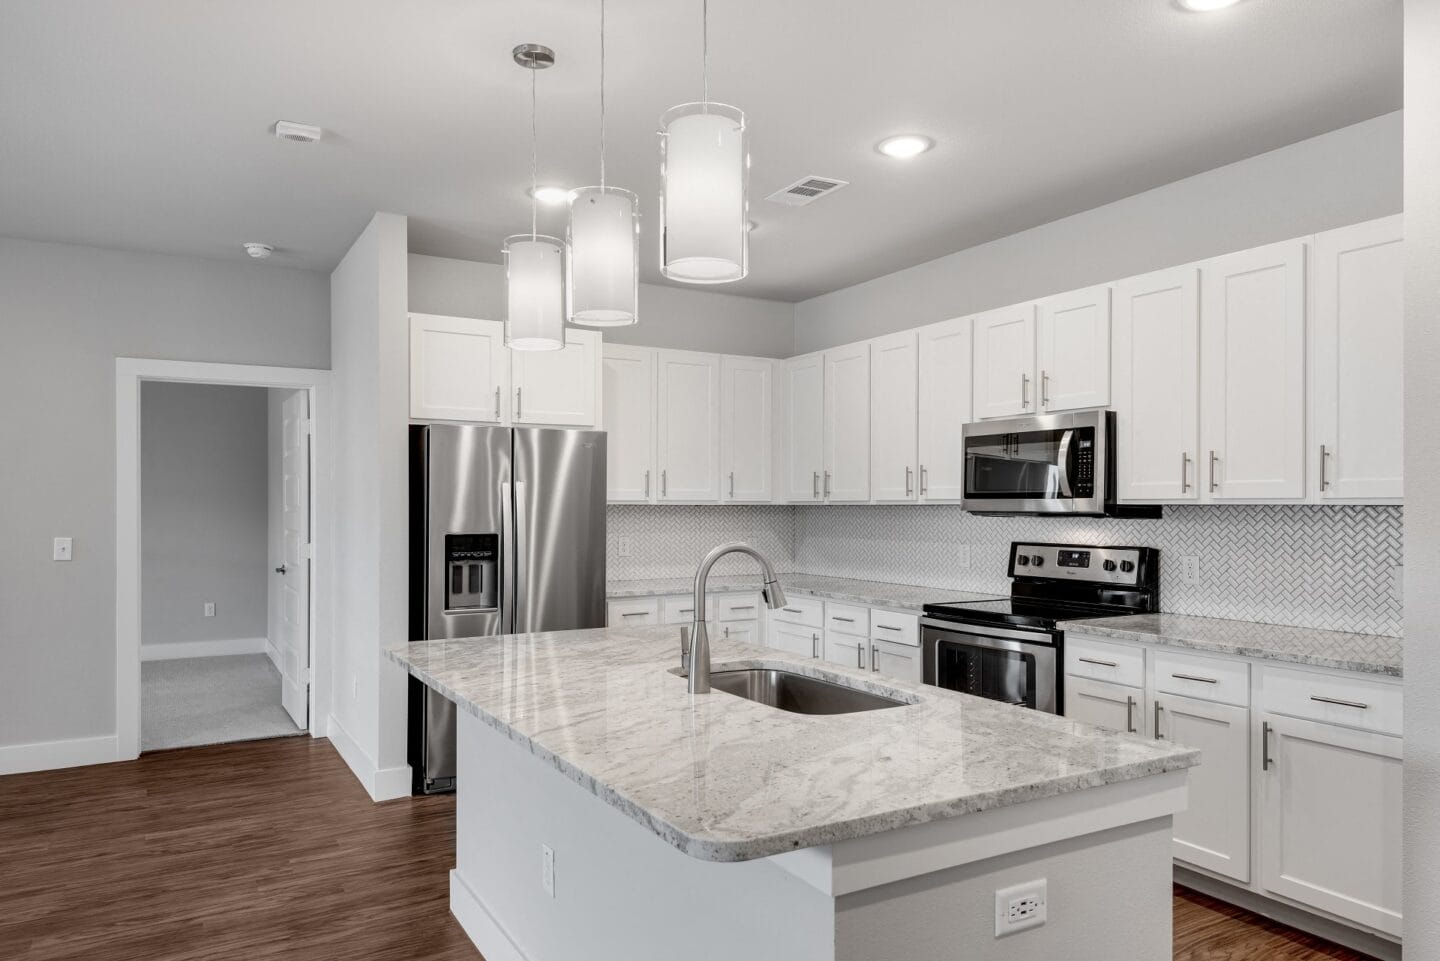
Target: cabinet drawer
<point x="633" y="610"/>
<point x="804" y="611"/>
<point x="847" y="619"/>
<point x="1333" y="699"/>
<point x="1104" y="661"/>
<point x="895" y="627"/>
<point x="680" y="609"/>
<point x="1203" y="678"/>
<point x="736" y="607"/>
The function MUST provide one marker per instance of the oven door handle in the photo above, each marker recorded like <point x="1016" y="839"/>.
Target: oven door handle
<point x="1063" y="461"/>
<point x="1036" y="638"/>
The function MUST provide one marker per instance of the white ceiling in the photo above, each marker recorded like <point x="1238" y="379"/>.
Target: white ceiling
<point x="144" y="124"/>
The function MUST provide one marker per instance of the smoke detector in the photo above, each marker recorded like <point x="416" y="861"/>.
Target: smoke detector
<point x="806" y="190"/>
<point x="298" y="132"/>
<point x="259" y="251"/>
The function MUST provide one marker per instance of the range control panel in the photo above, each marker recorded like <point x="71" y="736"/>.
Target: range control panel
<point x="1102" y="565"/>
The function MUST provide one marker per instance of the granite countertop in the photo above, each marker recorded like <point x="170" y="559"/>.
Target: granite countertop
<point x="899" y="597"/>
<point x="725" y="779"/>
<point x="1363" y="653"/>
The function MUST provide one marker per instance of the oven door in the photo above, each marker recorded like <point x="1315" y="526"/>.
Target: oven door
<point x="1037" y="465"/>
<point x="1017" y="667"/>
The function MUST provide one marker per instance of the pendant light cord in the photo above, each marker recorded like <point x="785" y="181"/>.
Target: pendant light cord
<point x="602" y="96"/>
<point x="705" y="51"/>
<point x="534" y="176"/>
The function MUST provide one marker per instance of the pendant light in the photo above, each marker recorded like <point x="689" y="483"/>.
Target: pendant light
<point x="705" y="174"/>
<point x="602" y="243"/>
<point x="534" y="275"/>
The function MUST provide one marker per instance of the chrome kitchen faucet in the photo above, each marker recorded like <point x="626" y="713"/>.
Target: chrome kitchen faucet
<point x="699" y="658"/>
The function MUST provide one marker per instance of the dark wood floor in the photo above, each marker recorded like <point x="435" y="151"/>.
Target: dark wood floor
<point x="271" y="849"/>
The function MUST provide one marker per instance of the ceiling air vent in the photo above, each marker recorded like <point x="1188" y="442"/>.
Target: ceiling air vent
<point x="806" y="190"/>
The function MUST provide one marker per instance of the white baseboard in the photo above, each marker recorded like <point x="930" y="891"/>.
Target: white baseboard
<point x="52" y="755"/>
<point x="485" y="932"/>
<point x="382" y="784"/>
<point x="178" y="649"/>
<point x="273" y="652"/>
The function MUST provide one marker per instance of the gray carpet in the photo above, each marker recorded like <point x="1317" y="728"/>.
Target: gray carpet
<point x="210" y="700"/>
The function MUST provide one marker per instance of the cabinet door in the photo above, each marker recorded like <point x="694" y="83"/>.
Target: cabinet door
<point x="1157" y="386"/>
<point x="688" y="439"/>
<point x="1213" y="832"/>
<point x="804" y="427"/>
<point x="899" y="661"/>
<point x="458" y="368"/>
<point x="629" y="387"/>
<point x="746" y="428"/>
<point x="744" y="632"/>
<point x="557" y="387"/>
<point x="1074" y="345"/>
<point x="1004" y="373"/>
<point x="1331" y="819"/>
<point x="1252" y="335"/>
<point x="1115" y="707"/>
<point x="794" y="639"/>
<point x="944" y="408"/>
<point x="847" y="650"/>
<point x="894" y="424"/>
<point x="847" y="424"/>
<point x="1358" y="353"/>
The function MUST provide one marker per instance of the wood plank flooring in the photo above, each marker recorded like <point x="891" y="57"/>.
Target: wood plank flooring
<point x="271" y="849"/>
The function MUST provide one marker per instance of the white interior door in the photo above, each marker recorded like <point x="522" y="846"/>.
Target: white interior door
<point x="847" y="423"/>
<point x="944" y="408"/>
<point x="629" y="385"/>
<point x="1005" y="362"/>
<point x="894" y="422"/>
<point x="294" y="643"/>
<point x="689" y="426"/>
<point x="746" y="427"/>
<point x="804" y="444"/>
<point x="1075" y="350"/>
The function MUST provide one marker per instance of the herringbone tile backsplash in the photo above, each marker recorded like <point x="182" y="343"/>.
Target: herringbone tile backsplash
<point x="1323" y="567"/>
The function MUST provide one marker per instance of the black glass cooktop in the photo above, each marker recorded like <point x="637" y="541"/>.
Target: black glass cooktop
<point x="1020" y="612"/>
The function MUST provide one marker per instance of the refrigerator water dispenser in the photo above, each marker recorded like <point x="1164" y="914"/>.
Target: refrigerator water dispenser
<point x="471" y="571"/>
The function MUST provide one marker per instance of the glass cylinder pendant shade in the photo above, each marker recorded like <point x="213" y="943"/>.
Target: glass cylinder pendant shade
<point x="602" y="247"/>
<point x="704" y="202"/>
<point x="534" y="293"/>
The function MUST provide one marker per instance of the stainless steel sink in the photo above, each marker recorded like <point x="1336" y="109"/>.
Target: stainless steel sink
<point x="797" y="693"/>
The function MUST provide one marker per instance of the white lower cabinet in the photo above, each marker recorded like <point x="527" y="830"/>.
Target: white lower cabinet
<point x="1213" y="832"/>
<point x="1116" y="707"/>
<point x="743" y="632"/>
<point x="793" y="638"/>
<point x="900" y="661"/>
<point x="847" y="650"/>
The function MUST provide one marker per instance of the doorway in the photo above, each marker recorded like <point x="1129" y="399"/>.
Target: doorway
<point x="219" y="517"/>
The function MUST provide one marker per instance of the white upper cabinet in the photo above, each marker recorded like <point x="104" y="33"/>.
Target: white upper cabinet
<point x="1005" y="362"/>
<point x="1252" y="386"/>
<point x="1357" y="356"/>
<point x="688" y="435"/>
<point x="894" y="375"/>
<point x="847" y="424"/>
<point x="1157" y="386"/>
<point x="944" y="408"/>
<point x="804" y="446"/>
<point x="1074" y="342"/>
<point x="629" y="386"/>
<point x="459" y="368"/>
<point x="747" y="448"/>
<point x="557" y="387"/>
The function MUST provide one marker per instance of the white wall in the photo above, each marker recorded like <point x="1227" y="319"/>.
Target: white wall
<point x="203" y="512"/>
<point x="370" y="357"/>
<point x="66" y="313"/>
<point x="1343" y="177"/>
<point x="669" y="316"/>
<point x="1422" y="479"/>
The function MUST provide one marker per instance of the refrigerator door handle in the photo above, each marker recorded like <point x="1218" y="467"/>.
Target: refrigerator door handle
<point x="522" y="562"/>
<point x="509" y="552"/>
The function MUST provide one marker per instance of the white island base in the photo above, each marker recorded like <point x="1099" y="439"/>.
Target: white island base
<point x="919" y="893"/>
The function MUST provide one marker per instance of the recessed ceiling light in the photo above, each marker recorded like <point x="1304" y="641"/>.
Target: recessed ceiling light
<point x="259" y="251"/>
<point x="550" y="196"/>
<point x="1205" y="6"/>
<point x="904" y="146"/>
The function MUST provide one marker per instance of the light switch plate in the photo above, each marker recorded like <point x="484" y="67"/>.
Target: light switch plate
<point x="624" y="546"/>
<point x="63" y="549"/>
<point x="209" y="608"/>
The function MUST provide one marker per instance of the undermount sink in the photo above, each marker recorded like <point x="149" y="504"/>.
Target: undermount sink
<point x="797" y="693"/>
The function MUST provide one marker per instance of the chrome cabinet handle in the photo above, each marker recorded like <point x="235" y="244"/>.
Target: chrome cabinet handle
<point x="924" y="479"/>
<point x="1338" y="701"/>
<point x="873" y="651"/>
<point x="1129" y="714"/>
<point x="1265" y="746"/>
<point x="497" y="401"/>
<point x="1045" y="389"/>
<point x="1184" y="471"/>
<point x="843" y="620"/>
<point x="1324" y="456"/>
<point x="664" y="483"/>
<point x="732" y="483"/>
<point x="518" y="406"/>
<point x="1195" y="677"/>
<point x="815" y="485"/>
<point x="686" y="610"/>
<point x="909" y="484"/>
<point x="1158" y="709"/>
<point x="635" y="614"/>
<point x="1024" y="390"/>
<point x="1213" y="459"/>
<point x="647" y="482"/>
<point x="792" y="610"/>
<point x="281" y="569"/>
<point x="887" y="627"/>
<point x="860" y="656"/>
<point x="727" y="632"/>
<point x="814" y="645"/>
<point x="743" y="607"/>
<point x="827" y="483"/>
<point x="1091" y="660"/>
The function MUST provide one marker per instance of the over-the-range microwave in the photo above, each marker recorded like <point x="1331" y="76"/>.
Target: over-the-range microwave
<point x="1048" y="464"/>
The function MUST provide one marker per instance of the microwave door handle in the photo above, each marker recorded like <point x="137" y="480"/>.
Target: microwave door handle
<point x="1064" y="463"/>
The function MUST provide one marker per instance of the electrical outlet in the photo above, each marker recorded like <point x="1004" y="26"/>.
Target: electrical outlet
<point x="1190" y="570"/>
<point x="209" y="608"/>
<point x="624" y="546"/>
<point x="1019" y="908"/>
<point x="62" y="549"/>
<point x="547" y="869"/>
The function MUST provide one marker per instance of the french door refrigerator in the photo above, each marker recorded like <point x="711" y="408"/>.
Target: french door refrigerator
<point x="507" y="535"/>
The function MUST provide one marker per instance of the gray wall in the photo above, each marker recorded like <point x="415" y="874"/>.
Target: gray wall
<point x="66" y="313"/>
<point x="203" y="512"/>
<point x="1422" y="479"/>
<point x="669" y="316"/>
<point x="1343" y="177"/>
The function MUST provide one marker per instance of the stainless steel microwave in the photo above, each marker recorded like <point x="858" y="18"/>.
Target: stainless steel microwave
<point x="1050" y="464"/>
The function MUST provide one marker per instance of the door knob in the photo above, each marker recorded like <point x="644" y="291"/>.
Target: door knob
<point x="280" y="569"/>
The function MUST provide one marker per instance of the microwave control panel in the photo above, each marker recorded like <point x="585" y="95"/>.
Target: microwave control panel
<point x="1083" y="482"/>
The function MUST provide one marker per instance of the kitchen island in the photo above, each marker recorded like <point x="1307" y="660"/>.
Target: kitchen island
<point x="605" y="813"/>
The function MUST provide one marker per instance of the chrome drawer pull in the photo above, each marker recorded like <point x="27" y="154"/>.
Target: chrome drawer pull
<point x="1195" y="677"/>
<point x="1265" y="761"/>
<point x="635" y="614"/>
<point x="1158" y="709"/>
<point x="792" y="610"/>
<point x="1341" y="703"/>
<point x="687" y="610"/>
<point x="845" y="620"/>
<point x="743" y="607"/>
<point x="887" y="627"/>
<point x="1129" y="715"/>
<point x="1091" y="660"/>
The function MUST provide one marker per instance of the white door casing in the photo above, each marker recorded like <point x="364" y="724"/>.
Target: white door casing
<point x="294" y="642"/>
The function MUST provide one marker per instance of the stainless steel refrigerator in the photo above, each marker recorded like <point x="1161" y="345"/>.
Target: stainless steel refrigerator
<point x="507" y="535"/>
